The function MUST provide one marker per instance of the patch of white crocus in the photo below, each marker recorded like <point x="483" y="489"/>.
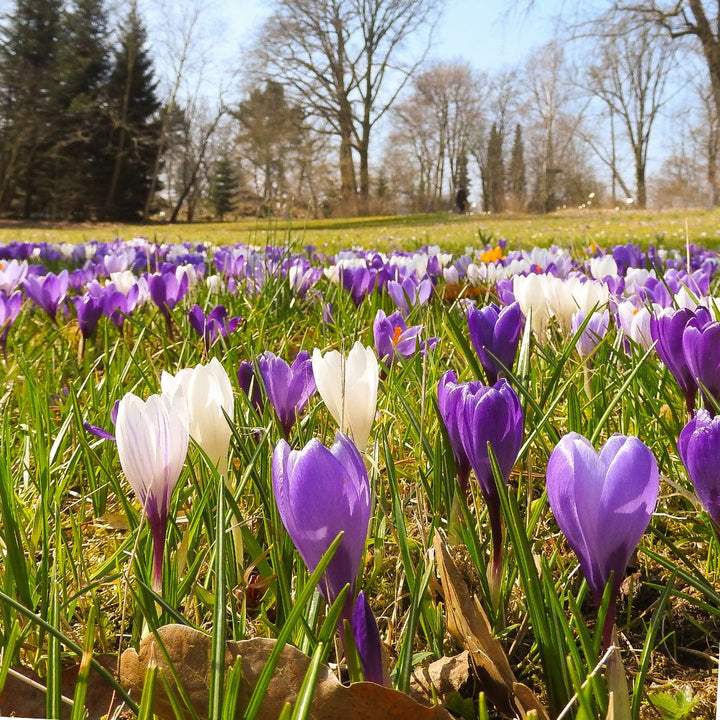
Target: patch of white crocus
<point x="209" y="398"/>
<point x="348" y="387"/>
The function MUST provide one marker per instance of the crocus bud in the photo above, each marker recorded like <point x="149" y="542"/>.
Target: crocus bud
<point x="209" y="398"/>
<point x="701" y="348"/>
<point x="152" y="440"/>
<point x="367" y="640"/>
<point x="602" y="502"/>
<point x="495" y="332"/>
<point x="319" y="493"/>
<point x="348" y="387"/>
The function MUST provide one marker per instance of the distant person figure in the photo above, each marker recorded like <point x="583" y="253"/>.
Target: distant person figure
<point x="461" y="200"/>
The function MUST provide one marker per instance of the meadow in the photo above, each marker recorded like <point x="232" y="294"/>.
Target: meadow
<point x="311" y="470"/>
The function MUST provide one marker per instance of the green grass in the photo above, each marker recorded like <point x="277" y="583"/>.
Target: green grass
<point x="452" y="232"/>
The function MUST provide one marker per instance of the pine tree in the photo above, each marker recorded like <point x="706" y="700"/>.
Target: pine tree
<point x="518" y="182"/>
<point x="495" y="172"/>
<point x="134" y="107"/>
<point x="223" y="187"/>
<point x="28" y="105"/>
<point x="81" y="153"/>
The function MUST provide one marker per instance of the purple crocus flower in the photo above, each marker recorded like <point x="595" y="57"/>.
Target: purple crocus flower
<point x="9" y="310"/>
<point x="701" y="348"/>
<point x="12" y="275"/>
<point x="321" y="492"/>
<point x="491" y="416"/>
<point x="449" y="400"/>
<point x="667" y="329"/>
<point x="47" y="291"/>
<point x="360" y="281"/>
<point x="89" y="310"/>
<point x="410" y="292"/>
<point x="249" y="385"/>
<point x="118" y="305"/>
<point x="393" y="338"/>
<point x="495" y="335"/>
<point x="602" y="502"/>
<point x="288" y="387"/>
<point x="367" y="640"/>
<point x="166" y="291"/>
<point x="699" y="448"/>
<point x="212" y="325"/>
<point x="100" y="432"/>
<point x="593" y="332"/>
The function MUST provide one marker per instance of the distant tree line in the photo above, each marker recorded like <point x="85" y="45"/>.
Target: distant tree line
<point x="88" y="131"/>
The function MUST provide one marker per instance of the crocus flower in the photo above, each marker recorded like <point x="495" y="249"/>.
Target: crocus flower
<point x="12" y="275"/>
<point x="9" y="310"/>
<point x="529" y="291"/>
<point x="602" y="502"/>
<point x="249" y="385"/>
<point x="321" y="492"/>
<point x="495" y="332"/>
<point x="667" y="329"/>
<point x="491" y="416"/>
<point x="288" y="387"/>
<point x="48" y="291"/>
<point x="449" y="402"/>
<point x="701" y="348"/>
<point x="208" y="395"/>
<point x="410" y="292"/>
<point x="393" y="338"/>
<point x="367" y="640"/>
<point x="166" y="291"/>
<point x="212" y="325"/>
<point x="699" y="448"/>
<point x="117" y="305"/>
<point x="593" y="332"/>
<point x="152" y="440"/>
<point x="360" y="281"/>
<point x="348" y="387"/>
<point x="89" y="311"/>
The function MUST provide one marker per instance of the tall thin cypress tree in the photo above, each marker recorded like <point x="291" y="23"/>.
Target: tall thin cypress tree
<point x="495" y="171"/>
<point x="518" y="182"/>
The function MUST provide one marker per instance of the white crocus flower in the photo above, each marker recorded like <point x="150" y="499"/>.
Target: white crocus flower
<point x="348" y="387"/>
<point x="602" y="267"/>
<point x="209" y="398"/>
<point x="529" y="291"/>
<point x="635" y="322"/>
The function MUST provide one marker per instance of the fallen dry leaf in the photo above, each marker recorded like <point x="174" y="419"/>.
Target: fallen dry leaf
<point x="469" y="625"/>
<point x="189" y="652"/>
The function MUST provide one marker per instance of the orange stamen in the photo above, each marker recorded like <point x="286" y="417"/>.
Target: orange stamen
<point x="396" y="335"/>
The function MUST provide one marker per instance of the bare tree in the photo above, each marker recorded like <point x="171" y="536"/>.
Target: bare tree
<point x="630" y="78"/>
<point x="345" y="61"/>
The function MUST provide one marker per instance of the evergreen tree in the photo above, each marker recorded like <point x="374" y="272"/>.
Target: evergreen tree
<point x="518" y="182"/>
<point x="83" y="167"/>
<point x="495" y="172"/>
<point x="134" y="111"/>
<point x="28" y="105"/>
<point x="223" y="187"/>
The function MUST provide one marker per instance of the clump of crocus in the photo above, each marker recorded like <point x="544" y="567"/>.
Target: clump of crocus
<point x="48" y="291"/>
<point x="321" y="492"/>
<point x="394" y="339"/>
<point x="348" y="386"/>
<point x="213" y="325"/>
<point x="602" y="502"/>
<point x="208" y="395"/>
<point x="152" y="440"/>
<point x="289" y="387"/>
<point x="495" y="335"/>
<point x="699" y="448"/>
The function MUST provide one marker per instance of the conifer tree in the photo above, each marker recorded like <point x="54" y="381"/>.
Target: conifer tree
<point x="134" y="111"/>
<point x="495" y="172"/>
<point x="518" y="182"/>
<point x="82" y="162"/>
<point x="223" y="187"/>
<point x="28" y="105"/>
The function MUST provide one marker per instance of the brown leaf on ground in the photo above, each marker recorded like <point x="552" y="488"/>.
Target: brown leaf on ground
<point x="189" y="652"/>
<point x="20" y="698"/>
<point x="446" y="676"/>
<point x="469" y="625"/>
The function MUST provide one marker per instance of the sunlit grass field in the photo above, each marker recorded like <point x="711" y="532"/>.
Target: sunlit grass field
<point x="452" y="232"/>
